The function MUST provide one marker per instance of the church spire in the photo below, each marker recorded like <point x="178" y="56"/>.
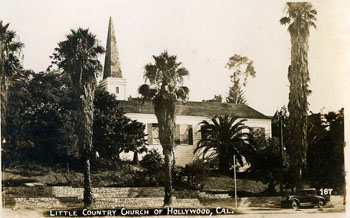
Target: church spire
<point x="112" y="63"/>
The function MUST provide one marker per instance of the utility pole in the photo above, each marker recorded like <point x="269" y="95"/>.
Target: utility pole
<point x="281" y="153"/>
<point x="234" y="175"/>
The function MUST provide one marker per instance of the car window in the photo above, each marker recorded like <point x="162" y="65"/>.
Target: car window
<point x="310" y="192"/>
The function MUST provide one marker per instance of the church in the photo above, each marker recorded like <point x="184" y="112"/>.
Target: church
<point x="188" y="115"/>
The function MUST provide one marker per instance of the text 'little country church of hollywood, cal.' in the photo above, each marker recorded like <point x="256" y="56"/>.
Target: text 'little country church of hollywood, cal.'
<point x="188" y="115"/>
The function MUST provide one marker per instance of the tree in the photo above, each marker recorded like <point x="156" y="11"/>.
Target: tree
<point x="164" y="88"/>
<point x="78" y="56"/>
<point x="325" y="166"/>
<point x="224" y="137"/>
<point x="113" y="131"/>
<point x="236" y="94"/>
<point x="217" y="98"/>
<point x="153" y="164"/>
<point x="40" y="125"/>
<point x="19" y="98"/>
<point x="300" y="17"/>
<point x="266" y="164"/>
<point x="135" y="139"/>
<point x="236" y="63"/>
<point x="109" y="125"/>
<point x="9" y="65"/>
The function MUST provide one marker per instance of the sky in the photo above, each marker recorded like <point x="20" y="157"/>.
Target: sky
<point x="204" y="35"/>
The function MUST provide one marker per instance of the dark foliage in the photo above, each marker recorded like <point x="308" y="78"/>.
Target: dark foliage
<point x="10" y="65"/>
<point x="266" y="165"/>
<point x="325" y="168"/>
<point x="40" y="120"/>
<point x="216" y="98"/>
<point x="224" y="137"/>
<point x="325" y="154"/>
<point x="153" y="163"/>
<point x="113" y="131"/>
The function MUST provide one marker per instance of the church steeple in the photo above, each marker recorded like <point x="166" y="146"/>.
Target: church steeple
<point x="113" y="80"/>
<point x="112" y="63"/>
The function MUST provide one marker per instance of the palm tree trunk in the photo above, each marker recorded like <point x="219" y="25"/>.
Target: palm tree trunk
<point x="135" y="159"/>
<point x="165" y="111"/>
<point x="168" y="179"/>
<point x="298" y="76"/>
<point x="222" y="161"/>
<point x="4" y="91"/>
<point x="87" y="183"/>
<point x="85" y="122"/>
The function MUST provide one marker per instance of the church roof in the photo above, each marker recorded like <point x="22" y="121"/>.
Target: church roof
<point x="192" y="108"/>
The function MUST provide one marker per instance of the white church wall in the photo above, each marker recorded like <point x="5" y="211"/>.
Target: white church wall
<point x="184" y="152"/>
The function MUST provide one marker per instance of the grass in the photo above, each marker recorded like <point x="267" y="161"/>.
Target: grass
<point x="127" y="175"/>
<point x="21" y="175"/>
<point x="224" y="183"/>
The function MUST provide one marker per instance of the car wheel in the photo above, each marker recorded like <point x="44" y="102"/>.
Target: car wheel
<point x="320" y="203"/>
<point x="283" y="205"/>
<point x="295" y="205"/>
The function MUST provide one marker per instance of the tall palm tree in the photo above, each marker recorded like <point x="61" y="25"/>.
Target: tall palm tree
<point x="164" y="88"/>
<point x="301" y="17"/>
<point x="223" y="137"/>
<point x="78" y="56"/>
<point x="9" y="65"/>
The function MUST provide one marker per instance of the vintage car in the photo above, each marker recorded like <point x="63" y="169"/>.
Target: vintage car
<point x="303" y="198"/>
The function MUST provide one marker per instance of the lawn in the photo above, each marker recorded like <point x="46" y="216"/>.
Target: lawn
<point x="127" y="176"/>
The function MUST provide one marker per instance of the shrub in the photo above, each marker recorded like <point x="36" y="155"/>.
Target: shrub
<point x="153" y="164"/>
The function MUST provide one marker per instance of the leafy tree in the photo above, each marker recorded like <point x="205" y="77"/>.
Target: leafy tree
<point x="109" y="125"/>
<point x="300" y="17"/>
<point x="135" y="139"/>
<point x="113" y="131"/>
<point x="164" y="88"/>
<point x="49" y="118"/>
<point x="237" y="63"/>
<point x="40" y="124"/>
<point x="217" y="98"/>
<point x="18" y="135"/>
<point x="266" y="164"/>
<point x="325" y="167"/>
<point x="78" y="56"/>
<point x="153" y="163"/>
<point x="325" y="154"/>
<point x="10" y="49"/>
<point x="224" y="137"/>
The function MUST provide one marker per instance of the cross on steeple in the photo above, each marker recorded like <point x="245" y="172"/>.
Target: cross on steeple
<point x="112" y="63"/>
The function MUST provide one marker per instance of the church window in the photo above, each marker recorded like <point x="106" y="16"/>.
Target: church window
<point x="117" y="90"/>
<point x="155" y="133"/>
<point x="257" y="130"/>
<point x="183" y="134"/>
<point x="186" y="134"/>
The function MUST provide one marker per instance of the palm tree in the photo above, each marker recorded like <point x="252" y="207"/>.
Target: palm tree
<point x="78" y="56"/>
<point x="223" y="137"/>
<point x="164" y="88"/>
<point x="9" y="65"/>
<point x="300" y="17"/>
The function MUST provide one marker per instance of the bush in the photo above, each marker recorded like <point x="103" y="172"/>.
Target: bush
<point x="196" y="171"/>
<point x="153" y="164"/>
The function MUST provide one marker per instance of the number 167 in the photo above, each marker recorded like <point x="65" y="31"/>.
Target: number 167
<point x="326" y="191"/>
